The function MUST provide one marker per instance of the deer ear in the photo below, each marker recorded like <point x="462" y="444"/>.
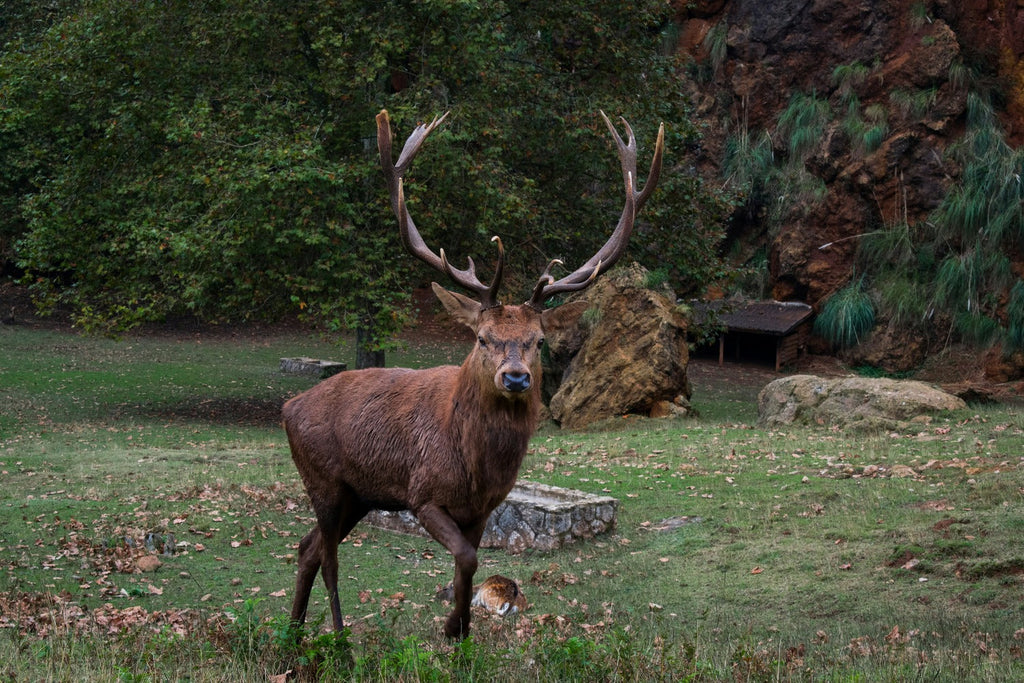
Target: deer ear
<point x="565" y="316"/>
<point x="460" y="307"/>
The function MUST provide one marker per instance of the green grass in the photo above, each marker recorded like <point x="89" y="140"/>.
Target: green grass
<point x="847" y="316"/>
<point x="802" y="123"/>
<point x="810" y="554"/>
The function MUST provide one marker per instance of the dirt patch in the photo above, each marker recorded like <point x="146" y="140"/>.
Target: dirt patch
<point x="259" y="412"/>
<point x="744" y="379"/>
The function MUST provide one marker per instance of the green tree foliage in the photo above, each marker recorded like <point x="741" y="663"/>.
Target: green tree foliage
<point x="218" y="159"/>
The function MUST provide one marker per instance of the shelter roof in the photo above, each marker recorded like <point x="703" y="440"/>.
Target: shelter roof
<point x="777" y="318"/>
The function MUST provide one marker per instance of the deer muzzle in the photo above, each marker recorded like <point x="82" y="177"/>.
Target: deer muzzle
<point x="515" y="382"/>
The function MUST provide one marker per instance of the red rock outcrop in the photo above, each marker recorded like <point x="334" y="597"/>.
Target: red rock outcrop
<point x="905" y="49"/>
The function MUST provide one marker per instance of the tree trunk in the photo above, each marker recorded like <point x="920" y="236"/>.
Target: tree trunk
<point x="365" y="358"/>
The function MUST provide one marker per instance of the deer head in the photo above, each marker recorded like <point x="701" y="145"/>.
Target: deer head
<point x="509" y="337"/>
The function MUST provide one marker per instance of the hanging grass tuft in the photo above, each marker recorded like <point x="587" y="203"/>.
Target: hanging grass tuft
<point x="1015" y="319"/>
<point x="847" y="316"/>
<point x="803" y="123"/>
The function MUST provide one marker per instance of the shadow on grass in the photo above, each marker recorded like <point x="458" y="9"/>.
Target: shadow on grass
<point x="263" y="411"/>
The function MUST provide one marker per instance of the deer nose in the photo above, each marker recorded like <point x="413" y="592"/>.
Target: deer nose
<point x="516" y="382"/>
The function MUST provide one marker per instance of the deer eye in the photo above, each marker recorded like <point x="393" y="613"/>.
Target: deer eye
<point x="540" y="343"/>
<point x="483" y="343"/>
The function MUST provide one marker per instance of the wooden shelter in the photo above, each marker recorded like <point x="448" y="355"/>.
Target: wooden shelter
<point x="778" y="327"/>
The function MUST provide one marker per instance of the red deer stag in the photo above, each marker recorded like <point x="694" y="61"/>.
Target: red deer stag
<point x="446" y="442"/>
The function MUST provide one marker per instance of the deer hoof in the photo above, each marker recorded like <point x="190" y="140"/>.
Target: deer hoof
<point x="456" y="626"/>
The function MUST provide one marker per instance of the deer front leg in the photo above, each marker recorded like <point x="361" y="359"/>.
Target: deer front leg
<point x="318" y="550"/>
<point x="462" y="545"/>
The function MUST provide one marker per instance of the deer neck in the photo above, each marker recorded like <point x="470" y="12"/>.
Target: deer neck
<point x="502" y="424"/>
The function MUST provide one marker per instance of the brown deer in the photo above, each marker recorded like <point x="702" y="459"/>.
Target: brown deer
<point x="445" y="442"/>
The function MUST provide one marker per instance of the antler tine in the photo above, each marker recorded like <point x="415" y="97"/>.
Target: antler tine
<point x="545" y="279"/>
<point x="608" y="254"/>
<point x="411" y="239"/>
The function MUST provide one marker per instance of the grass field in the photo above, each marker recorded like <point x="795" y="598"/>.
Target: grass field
<point x="149" y="515"/>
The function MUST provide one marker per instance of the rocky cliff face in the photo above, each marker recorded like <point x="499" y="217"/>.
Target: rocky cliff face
<point x="891" y="69"/>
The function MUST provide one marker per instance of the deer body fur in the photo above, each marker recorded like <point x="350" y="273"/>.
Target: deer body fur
<point x="445" y="443"/>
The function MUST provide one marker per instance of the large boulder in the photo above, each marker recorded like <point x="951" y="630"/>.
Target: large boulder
<point x="857" y="402"/>
<point x="629" y="354"/>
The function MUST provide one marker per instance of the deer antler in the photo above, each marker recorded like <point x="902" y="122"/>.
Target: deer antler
<point x="607" y="255"/>
<point x="394" y="173"/>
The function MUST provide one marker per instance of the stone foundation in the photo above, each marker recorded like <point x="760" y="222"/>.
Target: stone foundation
<point x="321" y="369"/>
<point x="533" y="516"/>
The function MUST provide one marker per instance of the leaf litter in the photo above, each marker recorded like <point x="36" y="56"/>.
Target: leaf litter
<point x="131" y="543"/>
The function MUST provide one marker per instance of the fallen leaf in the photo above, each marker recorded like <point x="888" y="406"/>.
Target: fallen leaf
<point x="756" y="570"/>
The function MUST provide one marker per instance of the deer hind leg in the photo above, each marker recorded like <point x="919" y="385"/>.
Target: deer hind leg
<point x="309" y="565"/>
<point x="462" y="544"/>
<point x="318" y="550"/>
